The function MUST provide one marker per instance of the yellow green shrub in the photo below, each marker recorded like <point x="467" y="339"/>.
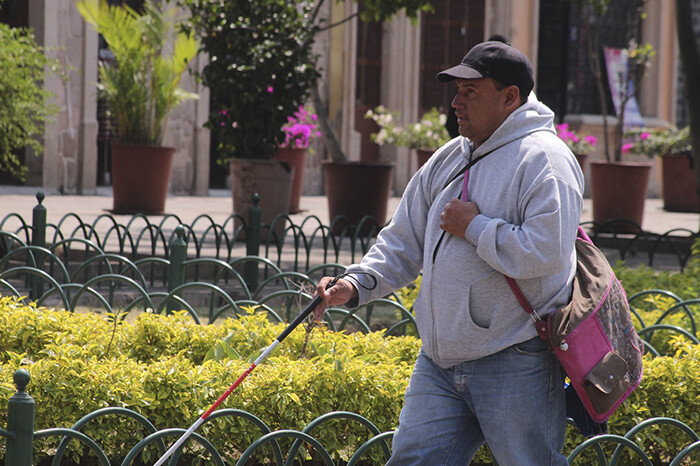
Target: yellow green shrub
<point x="159" y="367"/>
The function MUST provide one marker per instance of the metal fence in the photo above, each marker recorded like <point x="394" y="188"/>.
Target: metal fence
<point x="290" y="246"/>
<point x="20" y="437"/>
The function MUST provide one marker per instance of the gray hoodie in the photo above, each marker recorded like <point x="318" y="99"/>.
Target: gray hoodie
<point x="528" y="188"/>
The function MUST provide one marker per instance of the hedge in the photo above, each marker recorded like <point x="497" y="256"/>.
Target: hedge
<point x="165" y="369"/>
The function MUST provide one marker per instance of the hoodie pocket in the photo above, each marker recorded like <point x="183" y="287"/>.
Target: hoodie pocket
<point x="452" y="322"/>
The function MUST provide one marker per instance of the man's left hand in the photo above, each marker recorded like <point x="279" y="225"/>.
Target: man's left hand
<point x="457" y="216"/>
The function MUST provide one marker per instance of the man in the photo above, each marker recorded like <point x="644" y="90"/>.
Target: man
<point x="482" y="374"/>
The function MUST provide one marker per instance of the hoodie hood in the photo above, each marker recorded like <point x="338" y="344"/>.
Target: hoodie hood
<point x="530" y="117"/>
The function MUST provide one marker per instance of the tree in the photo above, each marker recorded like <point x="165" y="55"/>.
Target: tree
<point x="262" y="67"/>
<point x="639" y="59"/>
<point x="690" y="59"/>
<point x="372" y="10"/>
<point x="25" y="104"/>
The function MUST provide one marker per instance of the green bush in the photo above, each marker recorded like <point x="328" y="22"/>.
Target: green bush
<point x="684" y="284"/>
<point x="160" y="367"/>
<point x="156" y="366"/>
<point x="25" y="102"/>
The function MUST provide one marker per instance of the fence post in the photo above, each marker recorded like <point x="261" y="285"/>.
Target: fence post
<point x="176" y="270"/>
<point x="20" y="422"/>
<point x="38" y="239"/>
<point x="252" y="235"/>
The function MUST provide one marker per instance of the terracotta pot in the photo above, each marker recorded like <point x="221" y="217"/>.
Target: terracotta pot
<point x="140" y="178"/>
<point x="581" y="159"/>
<point x="423" y="156"/>
<point x="272" y="180"/>
<point x="356" y="190"/>
<point x="295" y="158"/>
<point x="618" y="191"/>
<point x="679" y="184"/>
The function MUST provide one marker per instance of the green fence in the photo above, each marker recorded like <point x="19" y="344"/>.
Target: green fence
<point x="20" y="437"/>
<point x="289" y="245"/>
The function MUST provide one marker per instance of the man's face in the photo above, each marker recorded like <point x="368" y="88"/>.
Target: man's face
<point x="481" y="108"/>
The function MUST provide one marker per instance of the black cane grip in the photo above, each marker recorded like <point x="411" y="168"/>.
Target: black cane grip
<point x="300" y="318"/>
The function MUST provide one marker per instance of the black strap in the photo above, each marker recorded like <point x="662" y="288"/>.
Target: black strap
<point x="357" y="282"/>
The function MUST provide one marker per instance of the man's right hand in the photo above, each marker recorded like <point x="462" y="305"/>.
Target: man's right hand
<point x="340" y="293"/>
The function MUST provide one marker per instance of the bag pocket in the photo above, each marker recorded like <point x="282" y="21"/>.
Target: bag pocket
<point x="607" y="382"/>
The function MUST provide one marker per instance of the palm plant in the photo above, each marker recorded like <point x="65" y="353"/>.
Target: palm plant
<point x="150" y="57"/>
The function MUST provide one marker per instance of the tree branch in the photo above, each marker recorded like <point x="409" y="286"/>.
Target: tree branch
<point x="349" y="18"/>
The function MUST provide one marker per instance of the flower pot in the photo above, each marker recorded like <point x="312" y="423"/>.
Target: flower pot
<point x="618" y="191"/>
<point x="423" y="156"/>
<point x="140" y="178"/>
<point x="295" y="158"/>
<point x="356" y="190"/>
<point x="581" y="159"/>
<point x="272" y="180"/>
<point x="679" y="184"/>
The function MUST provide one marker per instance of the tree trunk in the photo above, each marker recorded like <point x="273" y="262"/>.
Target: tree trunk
<point x="327" y="134"/>
<point x="592" y="28"/>
<point x="690" y="58"/>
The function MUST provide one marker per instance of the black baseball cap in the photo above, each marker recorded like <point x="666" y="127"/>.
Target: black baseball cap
<point x="496" y="60"/>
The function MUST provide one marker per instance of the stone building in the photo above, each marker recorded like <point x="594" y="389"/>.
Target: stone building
<point x="363" y="64"/>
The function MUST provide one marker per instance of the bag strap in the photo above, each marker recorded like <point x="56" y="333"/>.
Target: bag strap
<point x="540" y="324"/>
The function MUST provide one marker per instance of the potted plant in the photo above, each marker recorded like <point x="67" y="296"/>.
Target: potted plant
<point x="581" y="145"/>
<point x="260" y="69"/>
<point x="674" y="147"/>
<point x="301" y="128"/>
<point x="141" y="88"/>
<point x="426" y="135"/>
<point x="25" y="105"/>
<point x="357" y="189"/>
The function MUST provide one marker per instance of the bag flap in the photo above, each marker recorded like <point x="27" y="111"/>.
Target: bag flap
<point x="606" y="375"/>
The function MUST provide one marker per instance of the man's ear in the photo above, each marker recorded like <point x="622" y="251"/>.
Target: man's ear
<point x="512" y="95"/>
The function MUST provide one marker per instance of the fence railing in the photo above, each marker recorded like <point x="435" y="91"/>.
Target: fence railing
<point x="290" y="246"/>
<point x="20" y="437"/>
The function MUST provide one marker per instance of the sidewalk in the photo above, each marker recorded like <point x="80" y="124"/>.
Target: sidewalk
<point x="219" y="206"/>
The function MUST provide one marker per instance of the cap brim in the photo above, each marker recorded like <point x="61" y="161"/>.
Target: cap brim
<point x="459" y="71"/>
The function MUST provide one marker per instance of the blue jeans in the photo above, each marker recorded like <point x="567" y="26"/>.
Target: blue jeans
<point x="513" y="400"/>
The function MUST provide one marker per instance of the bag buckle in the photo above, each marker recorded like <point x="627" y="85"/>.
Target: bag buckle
<point x="535" y="316"/>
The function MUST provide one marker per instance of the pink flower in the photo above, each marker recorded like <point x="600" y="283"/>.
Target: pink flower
<point x="591" y="140"/>
<point x="643" y="136"/>
<point x="626" y="147"/>
<point x="270" y="89"/>
<point x="300" y="129"/>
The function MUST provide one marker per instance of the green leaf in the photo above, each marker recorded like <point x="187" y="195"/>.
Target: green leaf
<point x="221" y="350"/>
